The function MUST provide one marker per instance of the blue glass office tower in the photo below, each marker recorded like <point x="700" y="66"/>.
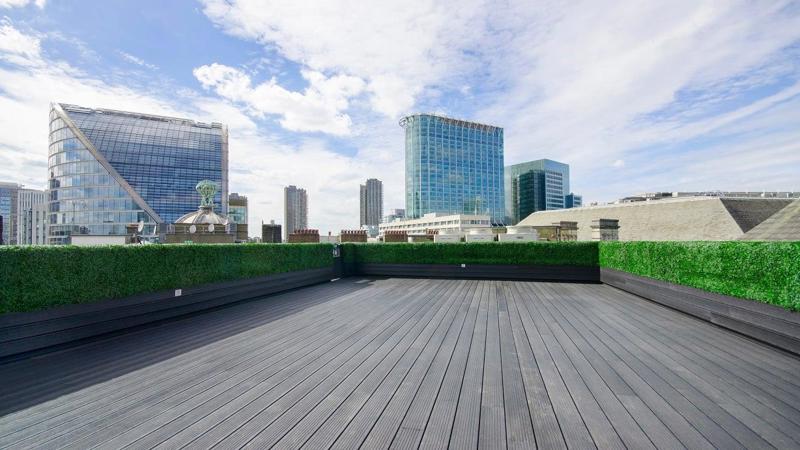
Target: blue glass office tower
<point x="535" y="186"/>
<point x="111" y="168"/>
<point x="453" y="167"/>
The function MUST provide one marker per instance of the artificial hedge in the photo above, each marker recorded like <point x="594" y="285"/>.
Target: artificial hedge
<point x="515" y="253"/>
<point x="33" y="278"/>
<point x="768" y="272"/>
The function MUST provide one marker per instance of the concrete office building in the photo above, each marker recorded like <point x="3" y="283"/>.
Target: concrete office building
<point x="111" y="168"/>
<point x="371" y="195"/>
<point x="8" y="211"/>
<point x="451" y="223"/>
<point x="453" y="167"/>
<point x="678" y="219"/>
<point x="295" y="210"/>
<point x="30" y="223"/>
<point x="271" y="233"/>
<point x="540" y="185"/>
<point x="237" y="213"/>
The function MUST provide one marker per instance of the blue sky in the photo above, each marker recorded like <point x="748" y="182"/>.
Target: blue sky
<point x="678" y="95"/>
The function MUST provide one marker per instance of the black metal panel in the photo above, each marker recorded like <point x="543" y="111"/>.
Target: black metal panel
<point x="24" y="332"/>
<point x="767" y="323"/>
<point x="483" y="271"/>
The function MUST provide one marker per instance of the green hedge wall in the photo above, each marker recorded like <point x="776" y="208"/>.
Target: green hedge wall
<point x="33" y="278"/>
<point x="518" y="253"/>
<point x="768" y="272"/>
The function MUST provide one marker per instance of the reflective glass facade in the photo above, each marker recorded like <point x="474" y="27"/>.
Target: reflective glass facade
<point x="548" y="188"/>
<point x="155" y="163"/>
<point x="8" y="211"/>
<point x="453" y="167"/>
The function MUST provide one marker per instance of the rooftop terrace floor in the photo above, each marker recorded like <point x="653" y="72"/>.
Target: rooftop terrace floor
<point x="412" y="363"/>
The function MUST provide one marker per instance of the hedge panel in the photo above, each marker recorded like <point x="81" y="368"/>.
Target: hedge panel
<point x="33" y="278"/>
<point x="768" y="272"/>
<point x="513" y="253"/>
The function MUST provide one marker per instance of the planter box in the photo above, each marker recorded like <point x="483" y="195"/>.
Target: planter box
<point x="25" y="332"/>
<point x="766" y="323"/>
<point x="481" y="271"/>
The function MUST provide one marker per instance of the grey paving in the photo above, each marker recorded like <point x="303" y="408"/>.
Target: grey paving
<point x="412" y="363"/>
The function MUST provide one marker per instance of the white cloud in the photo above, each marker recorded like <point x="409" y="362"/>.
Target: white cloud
<point x="20" y="3"/>
<point x="17" y="47"/>
<point x="398" y="49"/>
<point x="320" y="107"/>
<point x="136" y="60"/>
<point x="619" y="163"/>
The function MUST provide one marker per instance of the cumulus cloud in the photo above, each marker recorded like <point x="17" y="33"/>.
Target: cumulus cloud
<point x="320" y="107"/>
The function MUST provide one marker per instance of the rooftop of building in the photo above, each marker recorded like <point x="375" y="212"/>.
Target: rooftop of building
<point x="460" y="122"/>
<point x="784" y="225"/>
<point x="136" y="115"/>
<point x="408" y="362"/>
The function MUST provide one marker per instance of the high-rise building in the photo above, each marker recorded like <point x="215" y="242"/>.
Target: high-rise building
<point x="535" y="186"/>
<point x="29" y="223"/>
<point x="295" y="210"/>
<point x="394" y="214"/>
<point x="112" y="168"/>
<point x="237" y="213"/>
<point x="271" y="232"/>
<point x="371" y="202"/>
<point x="8" y="210"/>
<point x="573" y="201"/>
<point x="453" y="167"/>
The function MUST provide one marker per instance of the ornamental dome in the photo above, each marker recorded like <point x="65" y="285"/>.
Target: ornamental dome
<point x="206" y="214"/>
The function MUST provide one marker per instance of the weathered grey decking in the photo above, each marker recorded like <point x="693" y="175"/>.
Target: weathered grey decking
<point x="412" y="363"/>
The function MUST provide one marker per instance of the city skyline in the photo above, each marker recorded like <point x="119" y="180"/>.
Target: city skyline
<point x="674" y="97"/>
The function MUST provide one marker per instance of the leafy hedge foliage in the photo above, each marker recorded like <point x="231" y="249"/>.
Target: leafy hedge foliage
<point x="33" y="278"/>
<point x="519" y="253"/>
<point x="768" y="272"/>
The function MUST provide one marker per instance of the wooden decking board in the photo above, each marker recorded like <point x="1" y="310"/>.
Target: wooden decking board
<point x="109" y="412"/>
<point x="673" y="360"/>
<point x="764" y="415"/>
<point x="109" y="400"/>
<point x="94" y="355"/>
<point x="603" y="357"/>
<point x="663" y="425"/>
<point x="412" y="363"/>
<point x="641" y="357"/>
<point x="271" y="422"/>
<point x="220" y="422"/>
<point x="364" y="381"/>
<point x="718" y="357"/>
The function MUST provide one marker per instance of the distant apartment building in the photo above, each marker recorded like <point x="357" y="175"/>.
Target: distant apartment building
<point x="8" y="211"/>
<point x="453" y="167"/>
<point x="371" y="195"/>
<point x="271" y="232"/>
<point x="295" y="210"/>
<point x="394" y="214"/>
<point x="237" y="213"/>
<point x="110" y="168"/>
<point x="31" y="222"/>
<point x="540" y="185"/>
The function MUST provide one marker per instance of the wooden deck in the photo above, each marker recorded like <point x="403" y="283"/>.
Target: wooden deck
<point x="412" y="363"/>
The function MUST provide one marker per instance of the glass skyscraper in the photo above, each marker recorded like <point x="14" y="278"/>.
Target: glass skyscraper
<point x="111" y="168"/>
<point x="535" y="186"/>
<point x="453" y="167"/>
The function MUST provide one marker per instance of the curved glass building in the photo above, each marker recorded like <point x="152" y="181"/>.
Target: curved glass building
<point x="108" y="169"/>
<point x="453" y="167"/>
